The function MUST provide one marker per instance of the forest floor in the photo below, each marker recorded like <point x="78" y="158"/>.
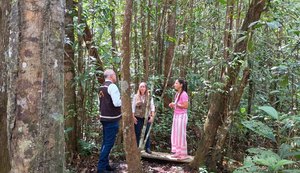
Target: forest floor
<point x="88" y="164"/>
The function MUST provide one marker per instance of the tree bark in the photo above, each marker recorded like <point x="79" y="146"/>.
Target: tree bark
<point x="160" y="33"/>
<point x="132" y="154"/>
<point x="113" y="31"/>
<point x="80" y="100"/>
<point x="69" y="88"/>
<point x="250" y="90"/>
<point x="143" y="34"/>
<point x="148" y="43"/>
<point x="228" y="30"/>
<point x="136" y="48"/>
<point x="36" y="129"/>
<point x="220" y="107"/>
<point x="93" y="52"/>
<point x="171" y="26"/>
<point x="4" y="40"/>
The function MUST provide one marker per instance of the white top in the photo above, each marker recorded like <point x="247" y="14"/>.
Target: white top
<point x="152" y="107"/>
<point x="114" y="92"/>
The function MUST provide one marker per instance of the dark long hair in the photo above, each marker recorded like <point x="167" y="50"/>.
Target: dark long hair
<point x="184" y="86"/>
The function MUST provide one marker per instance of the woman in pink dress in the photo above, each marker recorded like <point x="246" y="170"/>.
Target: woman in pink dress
<point x="180" y="118"/>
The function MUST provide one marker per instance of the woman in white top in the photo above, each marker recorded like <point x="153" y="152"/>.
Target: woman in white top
<point x="139" y="104"/>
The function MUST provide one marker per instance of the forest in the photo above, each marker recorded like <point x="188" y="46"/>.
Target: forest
<point x="240" y="59"/>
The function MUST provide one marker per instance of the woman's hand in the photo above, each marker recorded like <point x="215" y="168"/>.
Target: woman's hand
<point x="134" y="119"/>
<point x="151" y="119"/>
<point x="172" y="105"/>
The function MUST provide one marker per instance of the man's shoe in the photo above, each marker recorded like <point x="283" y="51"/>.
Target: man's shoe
<point x="109" y="168"/>
<point x="148" y="151"/>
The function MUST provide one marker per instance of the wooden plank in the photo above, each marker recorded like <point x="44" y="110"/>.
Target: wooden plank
<point x="166" y="157"/>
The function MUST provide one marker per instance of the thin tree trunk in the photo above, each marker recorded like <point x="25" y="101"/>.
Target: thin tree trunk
<point x="36" y="129"/>
<point x="148" y="43"/>
<point x="80" y="70"/>
<point x="136" y="48"/>
<point x="114" y="48"/>
<point x="143" y="34"/>
<point x="227" y="32"/>
<point x="250" y="90"/>
<point x="218" y="111"/>
<point x="171" y="27"/>
<point x="92" y="50"/>
<point x="4" y="40"/>
<point x="192" y="38"/>
<point x="132" y="154"/>
<point x="171" y="37"/>
<point x="238" y="13"/>
<point x="69" y="88"/>
<point x="216" y="154"/>
<point x="160" y="30"/>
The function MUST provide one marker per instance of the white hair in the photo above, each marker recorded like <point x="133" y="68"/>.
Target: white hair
<point x="108" y="73"/>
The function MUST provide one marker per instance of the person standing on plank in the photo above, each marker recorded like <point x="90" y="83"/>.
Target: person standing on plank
<point x="180" y="118"/>
<point x="139" y="106"/>
<point x="110" y="108"/>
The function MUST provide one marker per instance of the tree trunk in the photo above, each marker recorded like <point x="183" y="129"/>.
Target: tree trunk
<point x="4" y="40"/>
<point x="80" y="70"/>
<point x="136" y="49"/>
<point x="69" y="88"/>
<point x="220" y="108"/>
<point x="148" y="43"/>
<point x="36" y="130"/>
<point x="132" y="154"/>
<point x="228" y="28"/>
<point x="250" y="90"/>
<point x="113" y="31"/>
<point x="143" y="34"/>
<point x="170" y="37"/>
<point x="171" y="26"/>
<point x="160" y="33"/>
<point x="114" y="48"/>
<point x="92" y="50"/>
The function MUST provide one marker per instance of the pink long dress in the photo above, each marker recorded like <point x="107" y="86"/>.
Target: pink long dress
<point x="180" y="118"/>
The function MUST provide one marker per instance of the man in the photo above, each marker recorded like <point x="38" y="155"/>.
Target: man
<point x="110" y="108"/>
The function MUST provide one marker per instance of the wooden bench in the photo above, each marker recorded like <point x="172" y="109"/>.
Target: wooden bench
<point x="165" y="156"/>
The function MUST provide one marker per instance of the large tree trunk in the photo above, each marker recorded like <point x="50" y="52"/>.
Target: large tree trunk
<point x="221" y="108"/>
<point x="4" y="36"/>
<point x="69" y="88"/>
<point x="36" y="133"/>
<point x="132" y="154"/>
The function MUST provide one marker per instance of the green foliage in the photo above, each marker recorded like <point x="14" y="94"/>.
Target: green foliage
<point x="272" y="57"/>
<point x="260" y="128"/>
<point x="264" y="160"/>
<point x="270" y="111"/>
<point x="86" y="148"/>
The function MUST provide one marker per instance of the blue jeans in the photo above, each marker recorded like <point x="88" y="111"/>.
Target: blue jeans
<point x="110" y="130"/>
<point x="138" y="130"/>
